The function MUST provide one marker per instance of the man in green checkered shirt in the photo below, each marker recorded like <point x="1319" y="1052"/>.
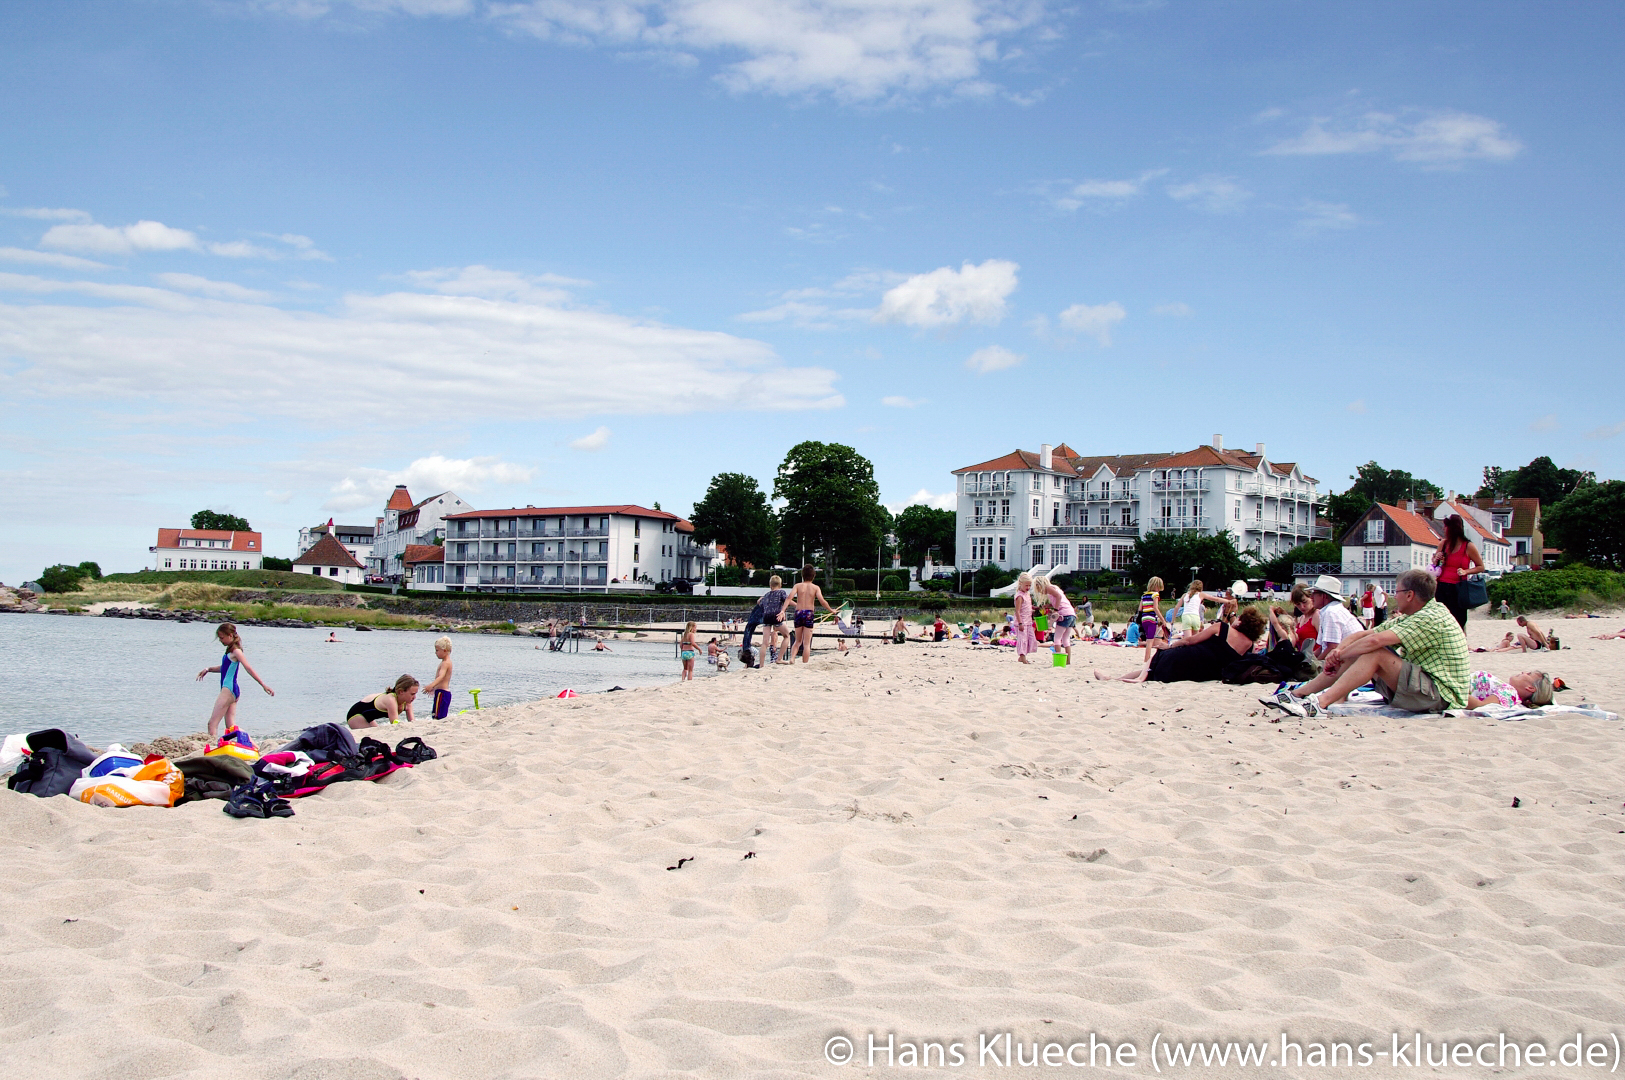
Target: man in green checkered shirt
<point x="1418" y="662"/>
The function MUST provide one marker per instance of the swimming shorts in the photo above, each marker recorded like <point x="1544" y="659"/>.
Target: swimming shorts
<point x="442" y="703"/>
<point x="804" y="618"/>
<point x="1148" y="627"/>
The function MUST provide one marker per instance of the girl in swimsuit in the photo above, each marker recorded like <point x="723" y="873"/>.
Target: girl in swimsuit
<point x="1150" y="614"/>
<point x="389" y="703"/>
<point x="690" y="649"/>
<point x="804" y="596"/>
<point x="225" y="702"/>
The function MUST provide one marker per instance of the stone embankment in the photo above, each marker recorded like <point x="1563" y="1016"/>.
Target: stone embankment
<point x="189" y="615"/>
<point x="18" y="600"/>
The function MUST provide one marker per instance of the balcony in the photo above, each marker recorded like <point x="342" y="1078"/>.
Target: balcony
<point x="990" y="522"/>
<point x="1192" y="484"/>
<point x="505" y="582"/>
<point x="1131" y="529"/>
<point x="989" y="488"/>
<point x="1183" y="524"/>
<point x="971" y="565"/>
<point x="587" y="532"/>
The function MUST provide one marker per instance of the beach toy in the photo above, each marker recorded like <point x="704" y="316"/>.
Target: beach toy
<point x="1058" y="660"/>
<point x="234" y="743"/>
<point x="567" y="693"/>
<point x="476" y="694"/>
<point x="115" y="757"/>
<point x="1041" y="623"/>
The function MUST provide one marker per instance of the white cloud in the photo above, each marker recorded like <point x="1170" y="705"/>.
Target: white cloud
<point x="1174" y="310"/>
<point x="852" y="50"/>
<point x="594" y="442"/>
<point x="993" y="358"/>
<point x="1607" y="432"/>
<point x="496" y="284"/>
<point x="281" y="498"/>
<point x="241" y="249"/>
<point x="107" y="240"/>
<point x="922" y="497"/>
<point x="40" y="213"/>
<point x="946" y="296"/>
<point x="896" y="402"/>
<point x="1076" y="195"/>
<point x="1220" y="194"/>
<point x="1323" y="215"/>
<point x="800" y="313"/>
<point x="1096" y="321"/>
<point x="428" y="476"/>
<point x="49" y="258"/>
<point x="220" y="290"/>
<point x="1441" y="138"/>
<point x="384" y="356"/>
<point x="304" y="247"/>
<point x="1357" y="405"/>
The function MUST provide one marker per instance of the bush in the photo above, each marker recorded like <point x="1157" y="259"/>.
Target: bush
<point x="1544" y="589"/>
<point x="271" y="562"/>
<point x="62" y="578"/>
<point x="934" y="601"/>
<point x="730" y="575"/>
<point x="893" y="583"/>
<point x="845" y="585"/>
<point x="937" y="585"/>
<point x="988" y="578"/>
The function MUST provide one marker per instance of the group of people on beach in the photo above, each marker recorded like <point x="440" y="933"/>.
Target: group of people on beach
<point x="388" y="705"/>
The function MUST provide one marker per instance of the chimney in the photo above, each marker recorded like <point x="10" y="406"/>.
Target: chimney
<point x="1046" y="455"/>
<point x="1218" y="442"/>
<point x="1410" y="504"/>
<point x="1258" y="449"/>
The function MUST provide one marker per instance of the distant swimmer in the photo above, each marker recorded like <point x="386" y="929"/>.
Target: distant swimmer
<point x="333" y="638"/>
<point x="601" y="647"/>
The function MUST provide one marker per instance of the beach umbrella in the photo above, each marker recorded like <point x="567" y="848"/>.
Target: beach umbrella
<point x="566" y="693"/>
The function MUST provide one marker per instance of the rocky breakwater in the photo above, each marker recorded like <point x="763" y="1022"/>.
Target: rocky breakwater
<point x="19" y="600"/>
<point x="188" y="615"/>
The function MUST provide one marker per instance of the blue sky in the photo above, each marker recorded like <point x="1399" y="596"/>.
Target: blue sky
<point x="275" y="257"/>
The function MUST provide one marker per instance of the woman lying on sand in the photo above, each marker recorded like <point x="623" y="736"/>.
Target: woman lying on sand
<point x="1524" y="688"/>
<point x="1609" y="637"/>
<point x="1508" y="644"/>
<point x="1201" y="656"/>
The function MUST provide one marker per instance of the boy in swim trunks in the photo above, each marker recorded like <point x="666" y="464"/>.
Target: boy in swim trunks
<point x="803" y="597"/>
<point x="439" y="688"/>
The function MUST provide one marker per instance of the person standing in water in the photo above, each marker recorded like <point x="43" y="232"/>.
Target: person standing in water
<point x="225" y="702"/>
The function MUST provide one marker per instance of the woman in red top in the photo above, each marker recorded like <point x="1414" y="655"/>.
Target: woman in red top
<point x="1457" y="558"/>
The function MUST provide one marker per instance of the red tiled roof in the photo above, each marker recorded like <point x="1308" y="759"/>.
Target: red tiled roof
<point x="399" y="499"/>
<point x="1023" y="460"/>
<point x="627" y="509"/>
<point x="327" y="552"/>
<point x="236" y="541"/>
<point x="424" y="553"/>
<point x="1207" y="455"/>
<point x="684" y="525"/>
<point x="1415" y="526"/>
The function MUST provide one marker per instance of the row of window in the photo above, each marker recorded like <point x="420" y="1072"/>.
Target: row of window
<point x="206" y="564"/>
<point x="1060" y="555"/>
<point x="207" y="543"/>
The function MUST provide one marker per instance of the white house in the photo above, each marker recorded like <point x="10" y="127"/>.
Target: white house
<point x="564" y="547"/>
<point x="1388" y="539"/>
<point x="357" y="539"/>
<point x="327" y="558"/>
<point x="405" y="523"/>
<point x="207" y="549"/>
<point x="425" y="567"/>
<point x="1063" y="510"/>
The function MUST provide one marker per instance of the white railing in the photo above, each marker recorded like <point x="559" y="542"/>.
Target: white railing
<point x="1131" y="529"/>
<point x="989" y="487"/>
<point x="979" y="522"/>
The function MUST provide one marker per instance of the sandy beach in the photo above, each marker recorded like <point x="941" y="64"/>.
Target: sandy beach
<point x="926" y="842"/>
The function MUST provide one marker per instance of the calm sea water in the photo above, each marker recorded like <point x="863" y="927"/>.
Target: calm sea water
<point x="129" y="680"/>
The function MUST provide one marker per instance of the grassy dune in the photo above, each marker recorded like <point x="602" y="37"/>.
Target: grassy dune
<point x="241" y="579"/>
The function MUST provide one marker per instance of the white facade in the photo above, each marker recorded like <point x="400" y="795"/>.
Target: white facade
<point x="348" y="575"/>
<point x="357" y="539"/>
<point x="576" y="547"/>
<point x="206" y="549"/>
<point x="410" y="523"/>
<point x="1072" y="513"/>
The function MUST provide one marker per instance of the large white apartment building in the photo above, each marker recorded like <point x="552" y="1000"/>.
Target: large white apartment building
<point x="569" y="547"/>
<point x="1061" y="509"/>
<point x="406" y="523"/>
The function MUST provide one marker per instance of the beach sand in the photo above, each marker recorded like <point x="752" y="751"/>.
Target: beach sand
<point x="946" y="845"/>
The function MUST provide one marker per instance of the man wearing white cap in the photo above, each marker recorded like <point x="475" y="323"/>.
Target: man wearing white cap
<point x="1334" y="623"/>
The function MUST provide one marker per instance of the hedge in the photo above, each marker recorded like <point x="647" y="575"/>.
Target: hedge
<point x="1571" y="586"/>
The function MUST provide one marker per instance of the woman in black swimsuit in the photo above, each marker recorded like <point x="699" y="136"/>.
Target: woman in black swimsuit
<point x="1201" y="656"/>
<point x="390" y="703"/>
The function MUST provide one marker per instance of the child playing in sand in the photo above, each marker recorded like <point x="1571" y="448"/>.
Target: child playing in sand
<point x="1150" y="616"/>
<point x="225" y="702"/>
<point x="802" y="598"/>
<point x="689" y="650"/>
<point x="439" y="688"/>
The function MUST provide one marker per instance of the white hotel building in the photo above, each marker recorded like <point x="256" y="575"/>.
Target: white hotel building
<point x="569" y="547"/>
<point x="1062" y="510"/>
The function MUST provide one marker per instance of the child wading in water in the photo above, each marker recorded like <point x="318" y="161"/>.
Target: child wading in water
<point x="690" y="650"/>
<point x="225" y="703"/>
<point x="439" y="688"/>
<point x="803" y="597"/>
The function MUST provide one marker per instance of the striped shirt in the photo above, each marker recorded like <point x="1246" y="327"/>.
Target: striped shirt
<point x="1432" y="640"/>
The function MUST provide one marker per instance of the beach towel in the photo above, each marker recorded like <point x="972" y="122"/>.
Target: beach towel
<point x="1491" y="712"/>
<point x="229" y="770"/>
<point x="154" y="783"/>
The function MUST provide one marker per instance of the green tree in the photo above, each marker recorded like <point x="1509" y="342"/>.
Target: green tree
<point x="988" y="578"/>
<point x="831" y="504"/>
<point x="1315" y="551"/>
<point x="1589" y="525"/>
<point x="209" y="519"/>
<point x="91" y="570"/>
<point x="271" y="562"/>
<point x="1374" y="484"/>
<point x="62" y="578"/>
<point x="1540" y="479"/>
<point x="735" y="514"/>
<point x="921" y="528"/>
<point x="1171" y="555"/>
